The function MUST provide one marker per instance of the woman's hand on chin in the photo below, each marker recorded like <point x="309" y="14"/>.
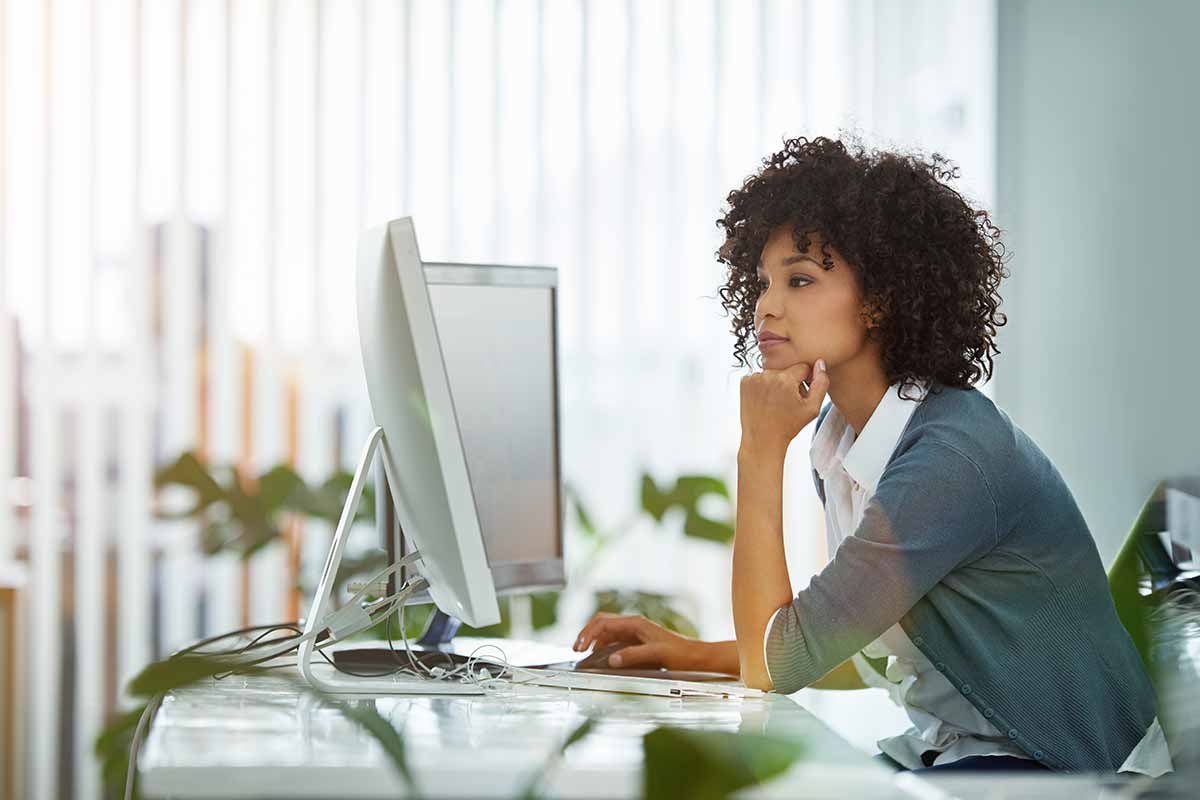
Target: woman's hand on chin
<point x="776" y="404"/>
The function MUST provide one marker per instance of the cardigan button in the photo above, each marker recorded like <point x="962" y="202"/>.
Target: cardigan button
<point x="966" y="689"/>
<point x="1012" y="733"/>
<point x="940" y="666"/>
<point x="1038" y="754"/>
<point x="918" y="641"/>
<point x="987" y="712"/>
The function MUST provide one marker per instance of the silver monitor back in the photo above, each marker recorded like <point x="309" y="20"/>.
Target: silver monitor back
<point x="497" y="326"/>
<point x="421" y="450"/>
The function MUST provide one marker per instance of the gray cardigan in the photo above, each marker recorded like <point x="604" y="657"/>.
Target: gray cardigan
<point x="973" y="542"/>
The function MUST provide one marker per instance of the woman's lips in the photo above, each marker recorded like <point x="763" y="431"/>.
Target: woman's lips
<point x="765" y="344"/>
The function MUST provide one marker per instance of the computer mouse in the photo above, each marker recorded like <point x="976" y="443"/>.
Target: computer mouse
<point x="598" y="658"/>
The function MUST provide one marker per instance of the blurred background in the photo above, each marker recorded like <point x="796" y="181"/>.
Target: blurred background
<point x="183" y="182"/>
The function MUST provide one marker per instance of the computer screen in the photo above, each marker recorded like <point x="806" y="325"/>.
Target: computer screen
<point x="497" y="325"/>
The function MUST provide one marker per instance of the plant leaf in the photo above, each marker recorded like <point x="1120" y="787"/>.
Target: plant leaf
<point x="364" y="713"/>
<point x="327" y="500"/>
<point x="581" y="513"/>
<point x="112" y="749"/>
<point x="172" y="673"/>
<point x="500" y="629"/>
<point x="215" y="536"/>
<point x="531" y="790"/>
<point x="710" y="530"/>
<point x="188" y="471"/>
<point x="686" y="495"/>
<point x="276" y="486"/>
<point x="544" y="609"/>
<point x="709" y="765"/>
<point x="690" y="488"/>
<point x="655" y="502"/>
<point x="113" y="742"/>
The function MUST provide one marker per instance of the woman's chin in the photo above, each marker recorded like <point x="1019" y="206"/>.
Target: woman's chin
<point x="780" y="358"/>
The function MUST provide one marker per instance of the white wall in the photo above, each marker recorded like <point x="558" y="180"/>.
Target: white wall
<point x="1097" y="190"/>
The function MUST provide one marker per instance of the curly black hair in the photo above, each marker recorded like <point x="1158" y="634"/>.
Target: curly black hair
<point x="926" y="260"/>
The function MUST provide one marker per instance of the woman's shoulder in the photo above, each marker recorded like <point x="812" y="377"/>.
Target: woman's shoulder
<point x="969" y="422"/>
<point x="965" y="420"/>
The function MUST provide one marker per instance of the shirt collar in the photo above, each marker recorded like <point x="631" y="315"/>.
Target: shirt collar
<point x="864" y="457"/>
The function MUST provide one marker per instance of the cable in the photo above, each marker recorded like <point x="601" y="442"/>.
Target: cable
<point x="469" y="668"/>
<point x="320" y="633"/>
<point x="266" y="629"/>
<point x="138" y="732"/>
<point x="474" y="670"/>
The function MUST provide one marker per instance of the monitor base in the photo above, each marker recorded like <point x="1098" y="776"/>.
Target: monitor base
<point x="327" y="679"/>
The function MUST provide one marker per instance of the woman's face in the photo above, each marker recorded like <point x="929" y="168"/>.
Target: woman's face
<point x="817" y="312"/>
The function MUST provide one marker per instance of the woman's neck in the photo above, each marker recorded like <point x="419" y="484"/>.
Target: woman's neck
<point x="856" y="387"/>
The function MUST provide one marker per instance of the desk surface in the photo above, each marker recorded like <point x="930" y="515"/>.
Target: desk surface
<point x="265" y="736"/>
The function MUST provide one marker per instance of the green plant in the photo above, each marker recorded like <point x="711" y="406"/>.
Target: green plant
<point x="533" y="789"/>
<point x="544" y="614"/>
<point x="657" y="501"/>
<point x="686" y="495"/>
<point x="246" y="515"/>
<point x="654" y="607"/>
<point x="710" y="765"/>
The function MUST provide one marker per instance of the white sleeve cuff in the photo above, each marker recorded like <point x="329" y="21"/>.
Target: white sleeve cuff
<point x="767" y="635"/>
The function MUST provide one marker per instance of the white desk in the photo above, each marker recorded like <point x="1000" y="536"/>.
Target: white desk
<point x="264" y="737"/>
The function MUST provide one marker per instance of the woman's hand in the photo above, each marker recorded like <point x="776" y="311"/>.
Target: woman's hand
<point x="651" y="644"/>
<point x="775" y="405"/>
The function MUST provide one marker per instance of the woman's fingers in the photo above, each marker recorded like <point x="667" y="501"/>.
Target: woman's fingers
<point x="585" y="633"/>
<point x="638" y="655"/>
<point x="609" y="628"/>
<point x="614" y="629"/>
<point x="801" y="373"/>
<point x="818" y="387"/>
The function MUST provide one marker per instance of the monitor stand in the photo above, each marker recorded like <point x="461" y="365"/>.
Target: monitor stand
<point x="439" y="630"/>
<point x="329" y="679"/>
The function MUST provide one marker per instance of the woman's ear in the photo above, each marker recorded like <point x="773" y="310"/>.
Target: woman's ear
<point x="874" y="312"/>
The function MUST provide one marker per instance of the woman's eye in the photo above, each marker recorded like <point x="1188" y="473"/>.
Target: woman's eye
<point x="795" y="282"/>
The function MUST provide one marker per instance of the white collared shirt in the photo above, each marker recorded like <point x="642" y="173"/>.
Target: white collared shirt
<point x="944" y="721"/>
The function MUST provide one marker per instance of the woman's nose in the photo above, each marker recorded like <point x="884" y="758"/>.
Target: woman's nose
<point x="768" y="305"/>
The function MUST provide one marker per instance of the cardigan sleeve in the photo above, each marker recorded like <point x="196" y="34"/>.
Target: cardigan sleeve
<point x="931" y="512"/>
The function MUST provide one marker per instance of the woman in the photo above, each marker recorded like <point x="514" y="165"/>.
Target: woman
<point x="957" y="551"/>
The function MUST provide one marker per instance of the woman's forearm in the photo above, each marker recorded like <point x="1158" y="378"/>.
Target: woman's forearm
<point x="760" y="578"/>
<point x="719" y="657"/>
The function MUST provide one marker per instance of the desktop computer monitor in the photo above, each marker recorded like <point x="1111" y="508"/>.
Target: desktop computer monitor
<point x="420" y="446"/>
<point x="497" y="325"/>
<point x="465" y="403"/>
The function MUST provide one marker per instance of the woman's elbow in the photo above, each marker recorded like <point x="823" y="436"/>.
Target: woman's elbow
<point x="757" y="679"/>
